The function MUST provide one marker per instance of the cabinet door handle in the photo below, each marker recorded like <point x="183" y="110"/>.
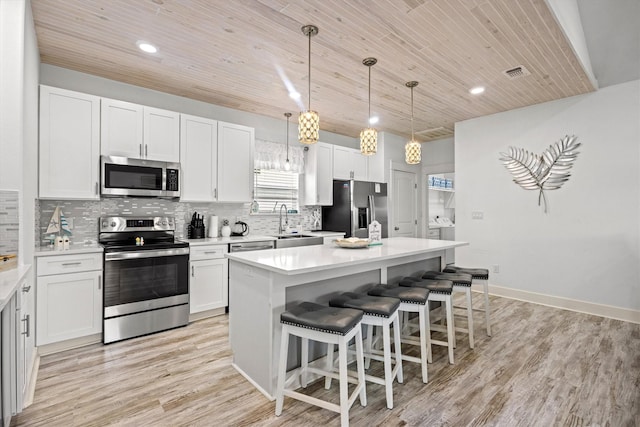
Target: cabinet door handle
<point x="145" y="150"/>
<point x="27" y="325"/>
<point x="140" y="150"/>
<point x="211" y="252"/>
<point x="193" y="274"/>
<point x="97" y="188"/>
<point x="65" y="264"/>
<point x="215" y="193"/>
<point x="26" y="288"/>
<point x="396" y="228"/>
<point x="99" y="281"/>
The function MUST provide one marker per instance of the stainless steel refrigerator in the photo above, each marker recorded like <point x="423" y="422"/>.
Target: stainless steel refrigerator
<point x="355" y="205"/>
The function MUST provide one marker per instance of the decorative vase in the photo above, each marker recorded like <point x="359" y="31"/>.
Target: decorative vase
<point x="225" y="231"/>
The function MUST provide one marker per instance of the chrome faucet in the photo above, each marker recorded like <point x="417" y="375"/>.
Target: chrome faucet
<point x="280" y="219"/>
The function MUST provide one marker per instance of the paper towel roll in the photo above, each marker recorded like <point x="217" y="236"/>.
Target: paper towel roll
<point x="213" y="226"/>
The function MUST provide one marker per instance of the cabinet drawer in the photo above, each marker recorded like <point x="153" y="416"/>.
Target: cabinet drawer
<point x="434" y="233"/>
<point x="207" y="252"/>
<point x="59" y="264"/>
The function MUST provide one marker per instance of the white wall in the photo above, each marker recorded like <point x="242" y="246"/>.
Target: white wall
<point x="586" y="247"/>
<point x="266" y="128"/>
<point x="19" y="64"/>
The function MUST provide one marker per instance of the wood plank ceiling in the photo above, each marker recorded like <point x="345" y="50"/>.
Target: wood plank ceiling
<point x="241" y="54"/>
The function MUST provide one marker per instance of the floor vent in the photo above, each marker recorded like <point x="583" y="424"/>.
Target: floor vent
<point x="435" y="133"/>
<point x="517" y="72"/>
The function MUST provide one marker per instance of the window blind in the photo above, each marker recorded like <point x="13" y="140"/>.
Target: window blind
<point x="273" y="188"/>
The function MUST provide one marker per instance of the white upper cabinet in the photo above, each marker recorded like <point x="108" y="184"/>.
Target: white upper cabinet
<point x="199" y="158"/>
<point x="136" y="131"/>
<point x="348" y="163"/>
<point x="318" y="175"/>
<point x="235" y="162"/>
<point x="161" y="136"/>
<point x="69" y="145"/>
<point x="121" y="129"/>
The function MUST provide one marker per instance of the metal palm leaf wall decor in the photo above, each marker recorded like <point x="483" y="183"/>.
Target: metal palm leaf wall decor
<point x="542" y="172"/>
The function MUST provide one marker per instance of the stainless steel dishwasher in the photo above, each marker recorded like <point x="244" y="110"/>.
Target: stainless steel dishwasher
<point x="251" y="246"/>
<point x="246" y="247"/>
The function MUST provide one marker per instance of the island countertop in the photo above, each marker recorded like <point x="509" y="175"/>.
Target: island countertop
<point x="308" y="259"/>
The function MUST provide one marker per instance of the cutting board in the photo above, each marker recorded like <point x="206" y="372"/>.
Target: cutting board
<point x="8" y="261"/>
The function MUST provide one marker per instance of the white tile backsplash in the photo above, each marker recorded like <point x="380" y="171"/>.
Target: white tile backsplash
<point x="84" y="215"/>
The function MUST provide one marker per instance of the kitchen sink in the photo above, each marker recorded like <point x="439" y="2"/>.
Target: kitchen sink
<point x="295" y="240"/>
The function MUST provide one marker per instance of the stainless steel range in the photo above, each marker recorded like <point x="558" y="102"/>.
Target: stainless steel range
<point x="146" y="276"/>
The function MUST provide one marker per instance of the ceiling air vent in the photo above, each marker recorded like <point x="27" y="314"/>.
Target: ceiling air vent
<point x="435" y="133"/>
<point x="517" y="72"/>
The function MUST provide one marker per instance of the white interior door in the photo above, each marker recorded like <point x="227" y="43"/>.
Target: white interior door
<point x="405" y="195"/>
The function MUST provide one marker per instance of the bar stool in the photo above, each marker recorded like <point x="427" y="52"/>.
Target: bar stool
<point x="439" y="290"/>
<point x="412" y="300"/>
<point x="478" y="275"/>
<point x="331" y="325"/>
<point x="378" y="311"/>
<point x="461" y="283"/>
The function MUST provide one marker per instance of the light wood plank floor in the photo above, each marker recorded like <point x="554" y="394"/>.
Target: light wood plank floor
<point x="542" y="367"/>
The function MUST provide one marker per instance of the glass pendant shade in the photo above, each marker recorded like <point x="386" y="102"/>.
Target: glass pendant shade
<point x="412" y="152"/>
<point x="368" y="141"/>
<point x="308" y="127"/>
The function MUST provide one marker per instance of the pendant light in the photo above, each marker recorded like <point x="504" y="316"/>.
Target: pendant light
<point x="287" y="164"/>
<point x="412" y="149"/>
<point x="369" y="136"/>
<point x="308" y="121"/>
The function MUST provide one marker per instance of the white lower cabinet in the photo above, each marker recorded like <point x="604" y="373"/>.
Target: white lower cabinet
<point x="69" y="303"/>
<point x="208" y="278"/>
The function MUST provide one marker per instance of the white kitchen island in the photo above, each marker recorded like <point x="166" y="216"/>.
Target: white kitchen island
<point x="262" y="283"/>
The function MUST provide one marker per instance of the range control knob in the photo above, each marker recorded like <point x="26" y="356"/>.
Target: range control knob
<point x="113" y="224"/>
<point x="105" y="223"/>
<point x="164" y="222"/>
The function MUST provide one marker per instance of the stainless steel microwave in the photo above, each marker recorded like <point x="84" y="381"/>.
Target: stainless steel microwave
<point x="122" y="176"/>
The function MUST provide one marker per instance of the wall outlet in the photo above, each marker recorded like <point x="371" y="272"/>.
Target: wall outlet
<point x="496" y="268"/>
<point x="477" y="215"/>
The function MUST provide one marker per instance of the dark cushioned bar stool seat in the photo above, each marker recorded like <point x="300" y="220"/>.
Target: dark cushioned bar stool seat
<point x="412" y="301"/>
<point x="481" y="276"/>
<point x="378" y="311"/>
<point x="439" y="290"/>
<point x="311" y="321"/>
<point x="461" y="283"/>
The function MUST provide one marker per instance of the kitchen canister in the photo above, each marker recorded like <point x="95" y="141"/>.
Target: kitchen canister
<point x="213" y="226"/>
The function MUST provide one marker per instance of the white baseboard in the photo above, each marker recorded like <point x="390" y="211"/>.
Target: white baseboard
<point x="31" y="388"/>
<point x="603" y="310"/>
<point x="255" y="384"/>
<point x="57" y="347"/>
<point x="194" y="317"/>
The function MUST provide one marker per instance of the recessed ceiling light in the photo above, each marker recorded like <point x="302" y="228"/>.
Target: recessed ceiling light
<point x="476" y="90"/>
<point x="294" y="95"/>
<point x="147" y="47"/>
<point x="373" y="120"/>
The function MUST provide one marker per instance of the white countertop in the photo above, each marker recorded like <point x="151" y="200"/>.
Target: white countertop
<point x="9" y="281"/>
<point x="441" y="226"/>
<point x="308" y="259"/>
<point x="76" y="248"/>
<point x="227" y="240"/>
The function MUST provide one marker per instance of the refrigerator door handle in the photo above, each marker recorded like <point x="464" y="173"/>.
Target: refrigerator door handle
<point x="372" y="209"/>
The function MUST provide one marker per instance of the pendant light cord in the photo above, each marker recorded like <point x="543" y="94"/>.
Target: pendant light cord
<point x="309" y="71"/>
<point x="412" y="114"/>
<point x="288" y="137"/>
<point x="369" y="118"/>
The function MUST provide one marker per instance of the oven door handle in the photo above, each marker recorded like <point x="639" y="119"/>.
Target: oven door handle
<point x="116" y="256"/>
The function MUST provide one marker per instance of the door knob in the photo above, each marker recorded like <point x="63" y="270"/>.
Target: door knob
<point x="396" y="228"/>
